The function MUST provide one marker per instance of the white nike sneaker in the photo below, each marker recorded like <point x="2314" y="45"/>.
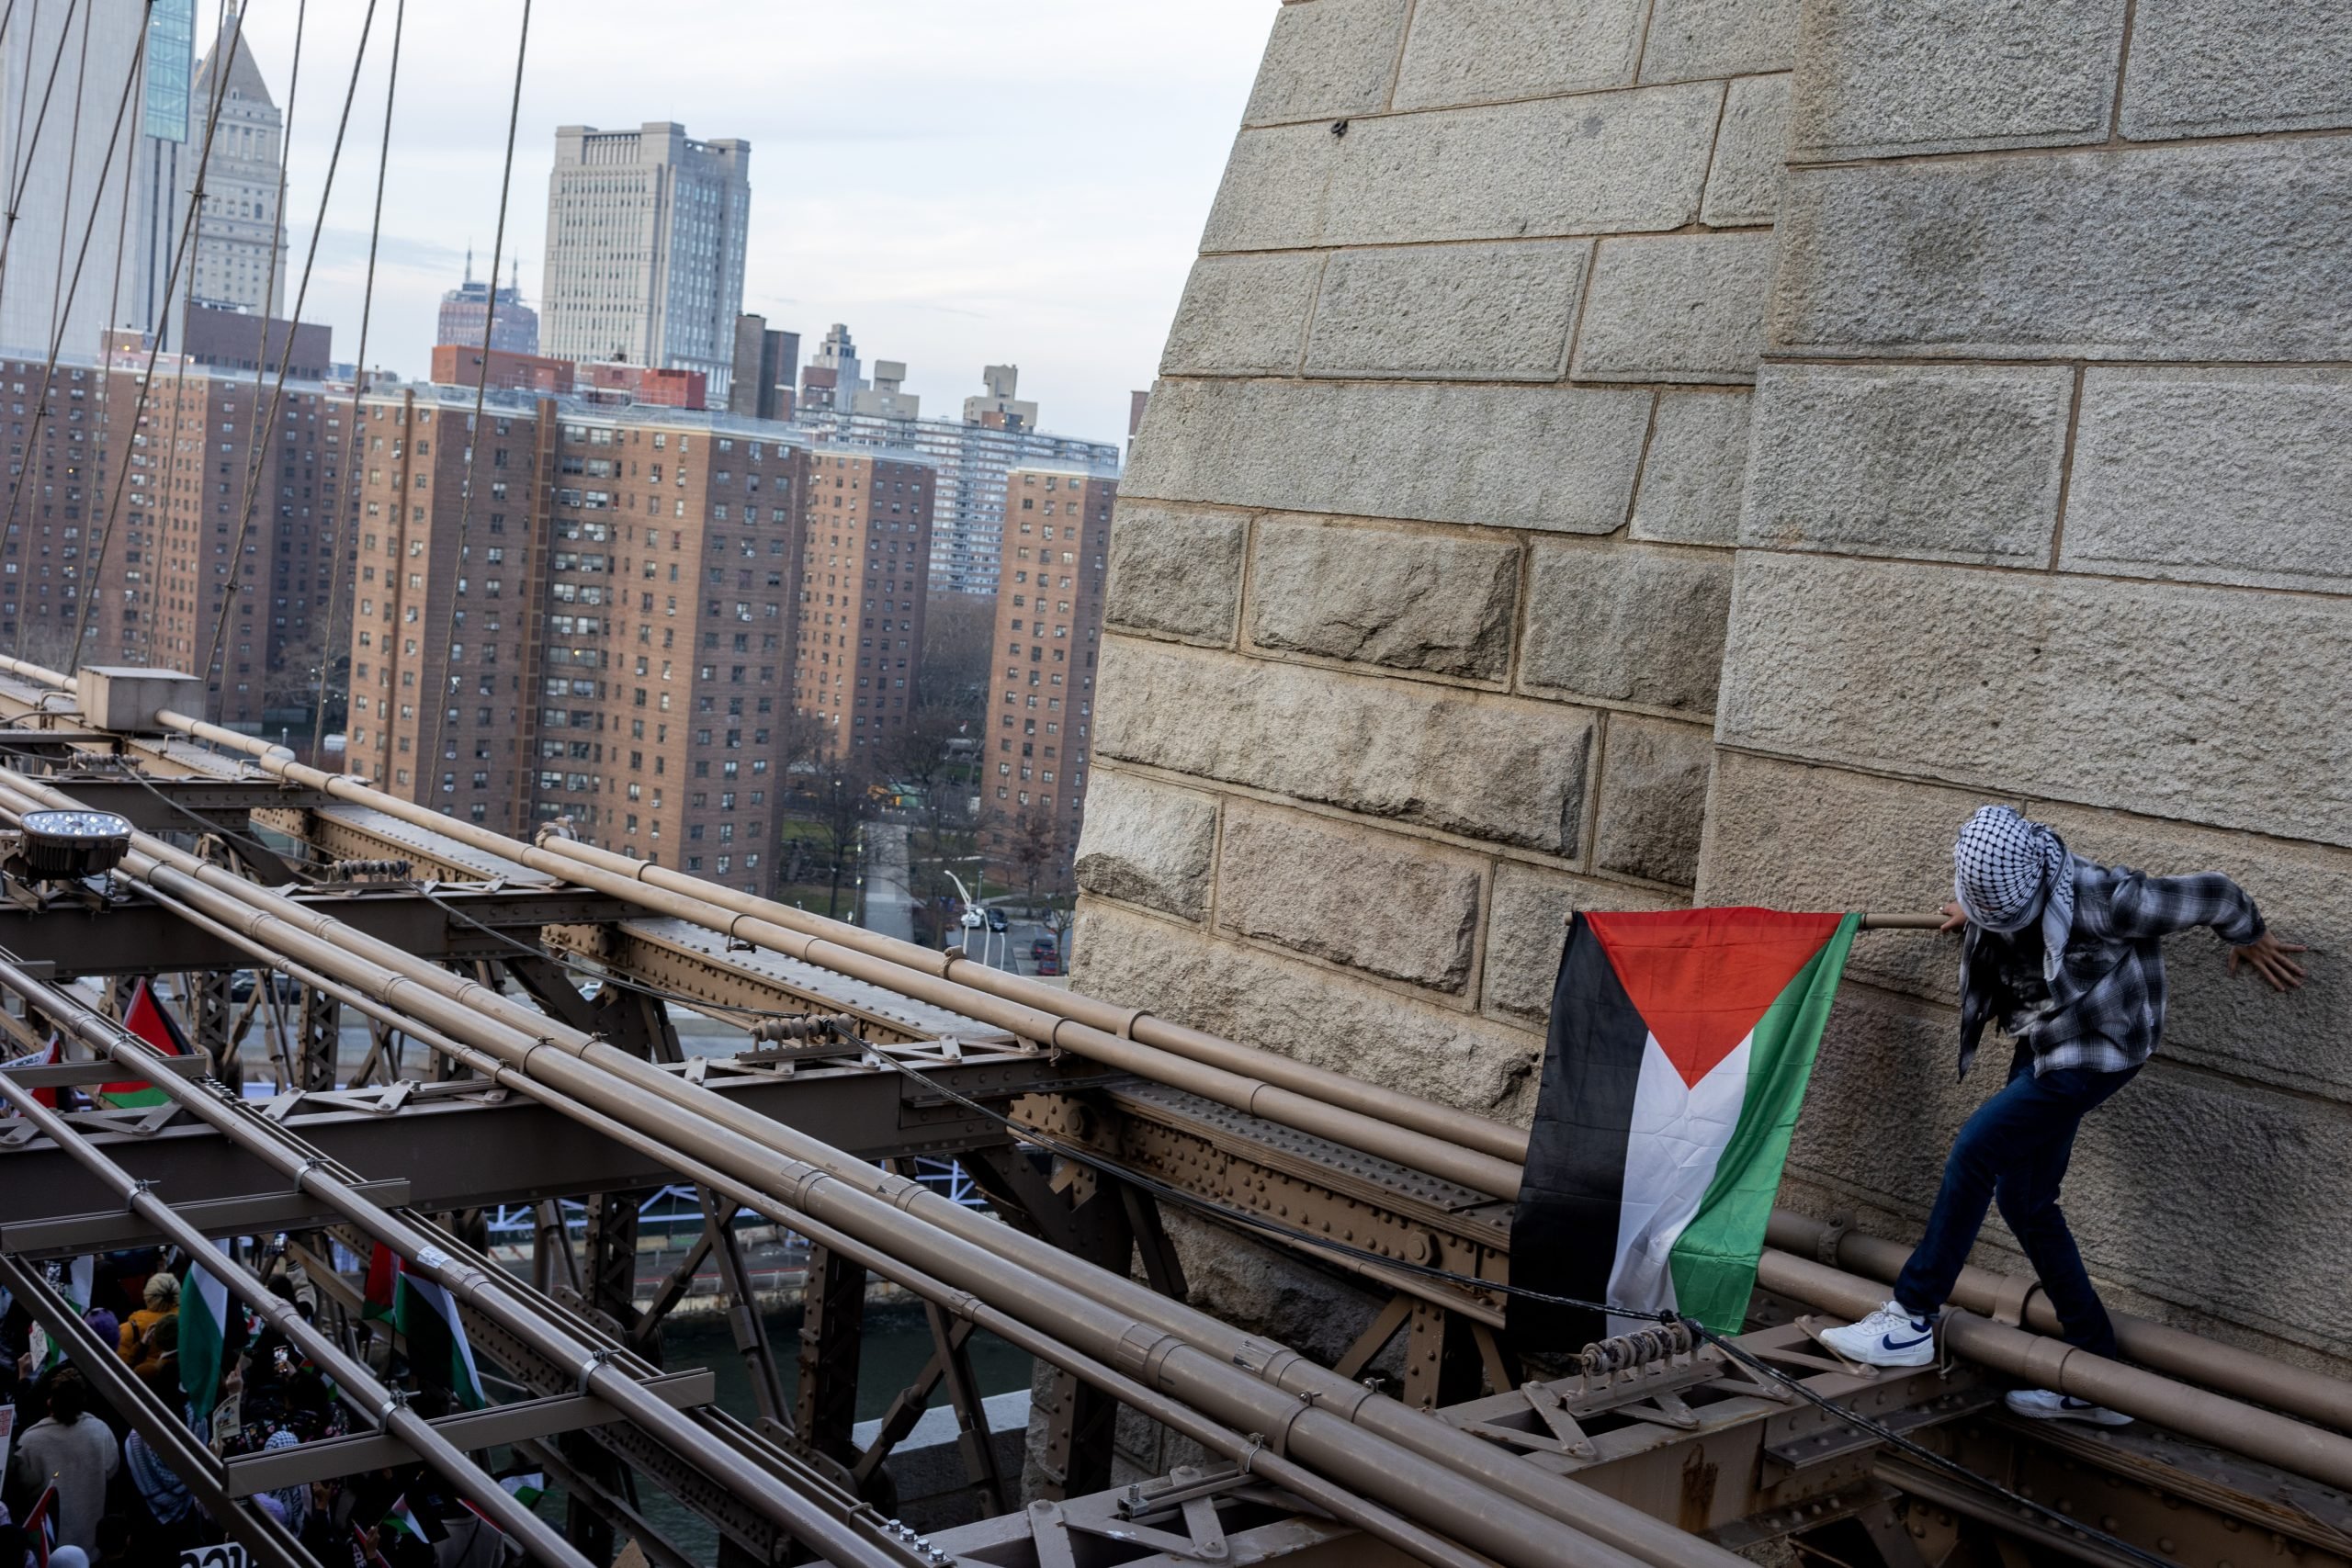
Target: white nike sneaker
<point x="1889" y="1337"/>
<point x="2041" y="1405"/>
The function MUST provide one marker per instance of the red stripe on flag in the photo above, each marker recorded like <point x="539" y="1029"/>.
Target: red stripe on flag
<point x="146" y="1018"/>
<point x="1701" y="979"/>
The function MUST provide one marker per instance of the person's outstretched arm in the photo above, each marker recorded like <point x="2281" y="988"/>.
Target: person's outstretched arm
<point x="2140" y="907"/>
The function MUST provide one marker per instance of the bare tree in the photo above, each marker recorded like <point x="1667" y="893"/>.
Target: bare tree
<point x="801" y="753"/>
<point x="842" y="810"/>
<point x="1034" y="845"/>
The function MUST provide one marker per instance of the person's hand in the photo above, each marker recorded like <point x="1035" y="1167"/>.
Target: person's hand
<point x="2267" y="956"/>
<point x="1954" y="918"/>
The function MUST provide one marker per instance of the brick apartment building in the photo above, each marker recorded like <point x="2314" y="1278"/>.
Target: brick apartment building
<point x="614" y="643"/>
<point x="1048" y="627"/>
<point x="182" y="472"/>
<point x="867" y="557"/>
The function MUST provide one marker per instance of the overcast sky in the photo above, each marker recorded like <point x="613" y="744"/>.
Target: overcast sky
<point x="962" y="185"/>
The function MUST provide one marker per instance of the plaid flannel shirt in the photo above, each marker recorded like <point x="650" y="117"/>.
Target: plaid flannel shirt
<point x="2105" y="1009"/>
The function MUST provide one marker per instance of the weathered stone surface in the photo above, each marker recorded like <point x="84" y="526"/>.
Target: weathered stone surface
<point x="1498" y="313"/>
<point x="1242" y="316"/>
<point x="1430" y="601"/>
<point x="1483" y="765"/>
<point x="1877" y="78"/>
<point x="2144" y="1193"/>
<point x="1943" y="463"/>
<point x="1527" y="921"/>
<point x="1798" y="837"/>
<point x="1653" y="798"/>
<point x="1317" y="1015"/>
<point x="2218" y="476"/>
<point x="1719" y="37"/>
<point x="1331" y="58"/>
<point x="2230" y="252"/>
<point x="1261" y="1289"/>
<point x="1402" y="909"/>
<point x="1692" y="473"/>
<point x="1557" y="459"/>
<point x="1467" y="51"/>
<point x="2219" y="67"/>
<point x="1174" y="572"/>
<point x="1610" y="163"/>
<point x="1678" y="308"/>
<point x="1744" y="184"/>
<point x="2131" y="696"/>
<point x="1147" y="843"/>
<point x="1627" y="625"/>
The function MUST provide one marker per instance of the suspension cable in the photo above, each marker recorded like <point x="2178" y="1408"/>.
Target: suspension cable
<point x="355" y="445"/>
<point x="431" y="755"/>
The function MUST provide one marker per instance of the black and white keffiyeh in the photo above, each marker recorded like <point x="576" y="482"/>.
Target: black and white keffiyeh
<point x="2008" y="871"/>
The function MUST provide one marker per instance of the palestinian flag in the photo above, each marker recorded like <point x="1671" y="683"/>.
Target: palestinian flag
<point x="147" y="1018"/>
<point x="405" y="1520"/>
<point x="425" y="1315"/>
<point x="1680" y="1048"/>
<point x="204" y="1336"/>
<point x="525" y="1487"/>
<point x="48" y="1055"/>
<point x="77" y="1282"/>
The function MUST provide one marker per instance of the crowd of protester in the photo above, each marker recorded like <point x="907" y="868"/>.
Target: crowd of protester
<point x="85" y="1487"/>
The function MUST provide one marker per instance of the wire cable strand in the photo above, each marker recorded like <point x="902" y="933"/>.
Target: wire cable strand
<point x="429" y="758"/>
<point x="267" y="429"/>
<point x="355" y="445"/>
<point x="181" y="252"/>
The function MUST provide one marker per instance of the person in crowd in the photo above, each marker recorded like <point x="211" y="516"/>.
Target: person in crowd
<point x="172" y="1516"/>
<point x="162" y="1300"/>
<point x="73" y="1450"/>
<point x="2067" y="956"/>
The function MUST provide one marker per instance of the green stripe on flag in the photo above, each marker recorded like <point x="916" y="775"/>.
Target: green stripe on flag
<point x="1713" y="1260"/>
<point x="204" y="1330"/>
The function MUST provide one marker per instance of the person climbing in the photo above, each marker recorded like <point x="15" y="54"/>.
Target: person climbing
<point x="2067" y="956"/>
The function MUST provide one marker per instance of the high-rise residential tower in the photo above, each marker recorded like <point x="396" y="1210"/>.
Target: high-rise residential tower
<point x="514" y="327"/>
<point x="645" y="248"/>
<point x="241" y="233"/>
<point x="866" y="551"/>
<point x="1041" y="685"/>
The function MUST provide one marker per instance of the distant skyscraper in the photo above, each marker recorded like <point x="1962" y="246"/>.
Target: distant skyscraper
<point x="645" y="248"/>
<point x="53" y="162"/>
<point x="832" y="380"/>
<point x="241" y="233"/>
<point x="515" y="328"/>
<point x="766" y="365"/>
<point x="998" y="408"/>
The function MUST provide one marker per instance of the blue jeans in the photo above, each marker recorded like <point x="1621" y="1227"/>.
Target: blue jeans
<point x="2014" y="1150"/>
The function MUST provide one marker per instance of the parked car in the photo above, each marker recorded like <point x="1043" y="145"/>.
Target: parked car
<point x="1043" y="949"/>
<point x="1049" y="964"/>
<point x="996" y="921"/>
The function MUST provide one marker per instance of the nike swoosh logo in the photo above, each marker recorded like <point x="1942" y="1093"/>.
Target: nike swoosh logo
<point x="1890" y="1342"/>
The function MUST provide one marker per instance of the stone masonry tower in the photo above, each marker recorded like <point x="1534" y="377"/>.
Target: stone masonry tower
<point x="1615" y="453"/>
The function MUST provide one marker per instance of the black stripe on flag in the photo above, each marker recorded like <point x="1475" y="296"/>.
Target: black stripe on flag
<point x="1563" y="1234"/>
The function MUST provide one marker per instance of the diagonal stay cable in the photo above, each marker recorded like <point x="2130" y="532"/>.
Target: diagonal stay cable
<point x="180" y="256"/>
<point x="16" y="176"/>
<point x="355" y="445"/>
<point x="429" y="758"/>
<point x="64" y="310"/>
<point x="268" y="422"/>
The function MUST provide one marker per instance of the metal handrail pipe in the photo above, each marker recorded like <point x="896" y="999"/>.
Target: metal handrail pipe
<point x="353" y="1381"/>
<point x="1468" y="1490"/>
<point x="1456" y="1145"/>
<point x="2316" y="1396"/>
<point x="1374" y="1520"/>
<point x="483" y="1290"/>
<point x="2045" y="1362"/>
<point x="39" y="674"/>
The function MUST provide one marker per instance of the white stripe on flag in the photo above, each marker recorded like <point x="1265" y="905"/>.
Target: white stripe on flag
<point x="1673" y="1143"/>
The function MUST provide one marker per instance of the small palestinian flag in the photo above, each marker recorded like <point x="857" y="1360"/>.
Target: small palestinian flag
<point x="204" y="1336"/>
<point x="76" y="1281"/>
<point x="147" y="1018"/>
<point x="1681" y="1044"/>
<point x="47" y="1056"/>
<point x="405" y="1520"/>
<point x="525" y="1487"/>
<point x="425" y="1315"/>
